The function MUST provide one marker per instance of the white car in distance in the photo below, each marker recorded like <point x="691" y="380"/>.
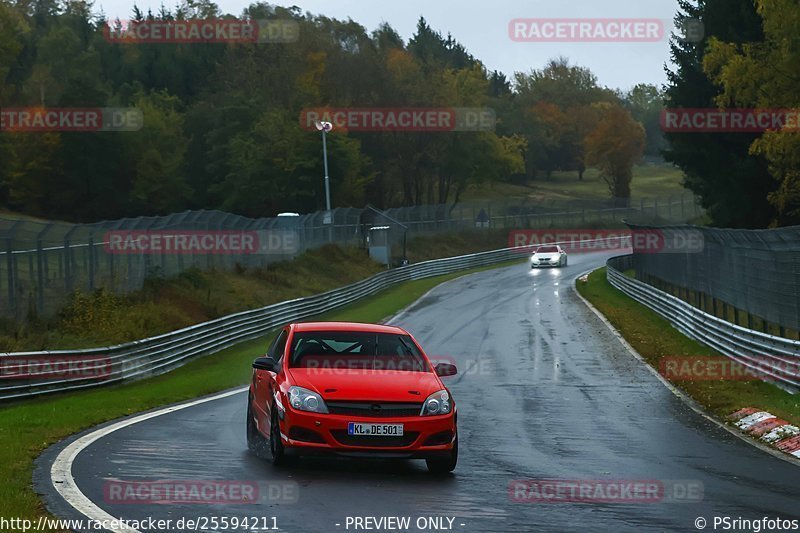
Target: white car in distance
<point x="549" y="256"/>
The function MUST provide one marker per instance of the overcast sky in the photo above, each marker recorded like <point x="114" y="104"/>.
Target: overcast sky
<point x="482" y="27"/>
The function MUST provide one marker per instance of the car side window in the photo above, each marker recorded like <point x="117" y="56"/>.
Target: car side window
<point x="272" y="350"/>
<point x="280" y="345"/>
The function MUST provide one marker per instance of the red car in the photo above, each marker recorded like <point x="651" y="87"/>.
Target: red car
<point x="359" y="390"/>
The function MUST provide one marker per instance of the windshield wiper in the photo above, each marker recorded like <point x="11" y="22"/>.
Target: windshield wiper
<point x="403" y="341"/>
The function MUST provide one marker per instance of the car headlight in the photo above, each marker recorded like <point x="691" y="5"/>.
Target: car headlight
<point x="306" y="400"/>
<point x="437" y="403"/>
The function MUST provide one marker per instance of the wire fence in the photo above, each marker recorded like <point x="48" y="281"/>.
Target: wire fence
<point x="25" y="374"/>
<point x="748" y="277"/>
<point x="42" y="263"/>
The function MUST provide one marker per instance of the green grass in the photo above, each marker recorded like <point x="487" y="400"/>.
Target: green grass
<point x="436" y="245"/>
<point x="648" y="181"/>
<point x="27" y="428"/>
<point x="654" y="338"/>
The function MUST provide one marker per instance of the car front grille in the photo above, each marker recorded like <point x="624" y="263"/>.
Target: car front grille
<point x="374" y="409"/>
<point x="407" y="439"/>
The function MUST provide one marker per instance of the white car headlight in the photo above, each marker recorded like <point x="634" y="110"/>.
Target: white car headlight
<point x="437" y="403"/>
<point x="306" y="400"/>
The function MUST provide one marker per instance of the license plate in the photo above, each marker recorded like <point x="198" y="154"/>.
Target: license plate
<point x="390" y="430"/>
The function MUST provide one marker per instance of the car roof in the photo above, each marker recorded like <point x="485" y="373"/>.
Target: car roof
<point x="347" y="326"/>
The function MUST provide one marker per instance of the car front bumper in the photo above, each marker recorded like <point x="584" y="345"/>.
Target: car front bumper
<point x="424" y="437"/>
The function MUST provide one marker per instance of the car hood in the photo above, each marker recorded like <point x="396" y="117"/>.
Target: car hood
<point x="547" y="256"/>
<point x="367" y="385"/>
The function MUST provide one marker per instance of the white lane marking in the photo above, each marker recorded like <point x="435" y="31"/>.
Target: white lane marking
<point x="61" y="471"/>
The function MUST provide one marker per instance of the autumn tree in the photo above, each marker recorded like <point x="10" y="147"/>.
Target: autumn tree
<point x="646" y="102"/>
<point x="614" y="146"/>
<point x="555" y="102"/>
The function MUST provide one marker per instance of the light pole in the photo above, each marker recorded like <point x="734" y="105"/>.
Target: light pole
<point x="325" y="127"/>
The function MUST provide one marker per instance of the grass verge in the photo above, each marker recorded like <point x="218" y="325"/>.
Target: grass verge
<point x="27" y="428"/>
<point x="649" y="180"/>
<point x="654" y="338"/>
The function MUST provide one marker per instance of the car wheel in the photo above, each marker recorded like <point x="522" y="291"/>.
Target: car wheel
<point x="565" y="260"/>
<point x="276" y="450"/>
<point x="443" y="466"/>
<point x="256" y="442"/>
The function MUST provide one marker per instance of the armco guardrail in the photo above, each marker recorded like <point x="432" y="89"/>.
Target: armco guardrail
<point x="776" y="357"/>
<point x="25" y="374"/>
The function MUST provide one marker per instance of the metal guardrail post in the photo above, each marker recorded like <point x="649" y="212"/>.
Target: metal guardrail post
<point x="111" y="272"/>
<point x="90" y="258"/>
<point x="12" y="302"/>
<point x="13" y="270"/>
<point x="69" y="265"/>
<point x="40" y="277"/>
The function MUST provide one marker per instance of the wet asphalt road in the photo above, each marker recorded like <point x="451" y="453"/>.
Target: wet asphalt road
<point x="544" y="392"/>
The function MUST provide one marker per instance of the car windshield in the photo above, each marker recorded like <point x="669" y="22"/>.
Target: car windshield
<point x="547" y="250"/>
<point x="356" y="350"/>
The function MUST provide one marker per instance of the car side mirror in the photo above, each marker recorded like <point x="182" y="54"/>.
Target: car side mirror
<point x="446" y="369"/>
<point x="266" y="363"/>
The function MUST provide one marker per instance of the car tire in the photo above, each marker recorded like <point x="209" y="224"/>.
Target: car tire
<point x="565" y="260"/>
<point x="444" y="466"/>
<point x="277" y="453"/>
<point x="256" y="442"/>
